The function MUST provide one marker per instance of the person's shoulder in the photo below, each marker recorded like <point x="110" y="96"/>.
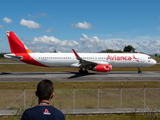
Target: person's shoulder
<point x="30" y="109"/>
<point x="57" y="113"/>
<point x="56" y="110"/>
<point x="27" y="113"/>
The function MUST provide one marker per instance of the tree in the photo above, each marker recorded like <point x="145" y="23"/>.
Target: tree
<point x="54" y="51"/>
<point x="156" y="54"/>
<point x="110" y="51"/>
<point x="129" y="48"/>
<point x="1" y="55"/>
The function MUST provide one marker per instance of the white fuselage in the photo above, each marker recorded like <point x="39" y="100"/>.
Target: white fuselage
<point x="114" y="59"/>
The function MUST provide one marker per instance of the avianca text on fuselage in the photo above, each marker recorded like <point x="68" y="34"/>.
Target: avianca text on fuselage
<point x="121" y="58"/>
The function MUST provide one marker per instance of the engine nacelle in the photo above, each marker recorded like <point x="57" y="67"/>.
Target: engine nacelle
<point x="103" y="68"/>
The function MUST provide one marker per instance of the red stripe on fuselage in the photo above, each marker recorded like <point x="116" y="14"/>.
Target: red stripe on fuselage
<point x="29" y="60"/>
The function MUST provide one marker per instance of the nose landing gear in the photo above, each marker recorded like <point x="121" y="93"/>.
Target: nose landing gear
<point x="139" y="70"/>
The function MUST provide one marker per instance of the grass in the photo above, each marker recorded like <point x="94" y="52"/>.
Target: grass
<point x="3" y="60"/>
<point x="32" y="68"/>
<point x="86" y="94"/>
<point x="156" y="58"/>
<point x="80" y="85"/>
<point x="105" y="117"/>
<point x="86" y="98"/>
<point x="110" y="117"/>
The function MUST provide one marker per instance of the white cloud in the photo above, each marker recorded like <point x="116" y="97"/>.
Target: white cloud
<point x="32" y="16"/>
<point x="30" y="24"/>
<point x="7" y="20"/>
<point x="1" y="39"/>
<point x="52" y="43"/>
<point x="86" y="44"/>
<point x="38" y="14"/>
<point x="150" y="46"/>
<point x="42" y="14"/>
<point x="144" y="44"/>
<point x="94" y="44"/>
<point x="1" y="26"/>
<point x="84" y="25"/>
<point x="49" y="30"/>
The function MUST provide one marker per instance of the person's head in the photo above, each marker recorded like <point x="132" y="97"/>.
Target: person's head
<point x="45" y="90"/>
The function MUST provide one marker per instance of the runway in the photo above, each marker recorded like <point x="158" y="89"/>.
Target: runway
<point x="76" y="77"/>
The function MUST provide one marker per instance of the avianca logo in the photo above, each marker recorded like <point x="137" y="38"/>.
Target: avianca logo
<point x="106" y="68"/>
<point x="46" y="112"/>
<point x="135" y="58"/>
<point x="120" y="58"/>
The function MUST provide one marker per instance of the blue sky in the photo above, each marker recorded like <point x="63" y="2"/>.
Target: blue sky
<point x="85" y="25"/>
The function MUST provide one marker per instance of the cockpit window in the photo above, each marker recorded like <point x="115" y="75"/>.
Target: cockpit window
<point x="149" y="58"/>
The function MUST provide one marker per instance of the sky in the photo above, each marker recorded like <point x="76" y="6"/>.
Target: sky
<point x="83" y="25"/>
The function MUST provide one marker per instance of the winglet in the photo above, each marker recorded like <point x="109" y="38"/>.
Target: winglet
<point x="77" y="56"/>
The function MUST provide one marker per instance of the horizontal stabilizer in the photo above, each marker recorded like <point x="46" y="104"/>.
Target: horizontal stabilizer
<point x="12" y="56"/>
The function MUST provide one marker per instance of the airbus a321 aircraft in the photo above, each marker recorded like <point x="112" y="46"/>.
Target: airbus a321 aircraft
<point x="100" y="62"/>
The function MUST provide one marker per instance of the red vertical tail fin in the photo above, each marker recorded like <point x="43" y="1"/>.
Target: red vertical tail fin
<point x="16" y="45"/>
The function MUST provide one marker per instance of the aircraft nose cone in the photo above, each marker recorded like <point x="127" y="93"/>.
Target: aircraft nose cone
<point x="154" y="62"/>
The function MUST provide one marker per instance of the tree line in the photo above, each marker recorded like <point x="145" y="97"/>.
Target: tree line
<point x="128" y="48"/>
<point x="1" y="55"/>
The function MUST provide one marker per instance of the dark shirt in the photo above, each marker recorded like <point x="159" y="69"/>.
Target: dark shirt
<point x="43" y="113"/>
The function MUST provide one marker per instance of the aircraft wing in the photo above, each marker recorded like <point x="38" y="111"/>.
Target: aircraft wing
<point x="86" y="63"/>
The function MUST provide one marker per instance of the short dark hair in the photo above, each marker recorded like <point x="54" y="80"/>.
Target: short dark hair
<point x="45" y="89"/>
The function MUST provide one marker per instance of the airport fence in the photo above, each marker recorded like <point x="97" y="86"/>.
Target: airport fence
<point x="87" y="100"/>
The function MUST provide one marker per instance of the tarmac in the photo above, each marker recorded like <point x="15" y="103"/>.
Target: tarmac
<point x="76" y="77"/>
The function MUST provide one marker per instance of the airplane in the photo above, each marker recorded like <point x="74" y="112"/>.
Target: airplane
<point x="100" y="62"/>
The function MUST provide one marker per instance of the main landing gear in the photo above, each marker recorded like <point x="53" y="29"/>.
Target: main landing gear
<point x="81" y="71"/>
<point x="139" y="70"/>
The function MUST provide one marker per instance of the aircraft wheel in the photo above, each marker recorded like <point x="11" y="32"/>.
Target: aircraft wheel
<point x="86" y="72"/>
<point x="139" y="71"/>
<point x="81" y="71"/>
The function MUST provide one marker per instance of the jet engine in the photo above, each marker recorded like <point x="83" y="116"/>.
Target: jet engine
<point x="103" y="68"/>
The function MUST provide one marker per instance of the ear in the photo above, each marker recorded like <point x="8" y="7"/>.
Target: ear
<point x="52" y="95"/>
<point x="36" y="93"/>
